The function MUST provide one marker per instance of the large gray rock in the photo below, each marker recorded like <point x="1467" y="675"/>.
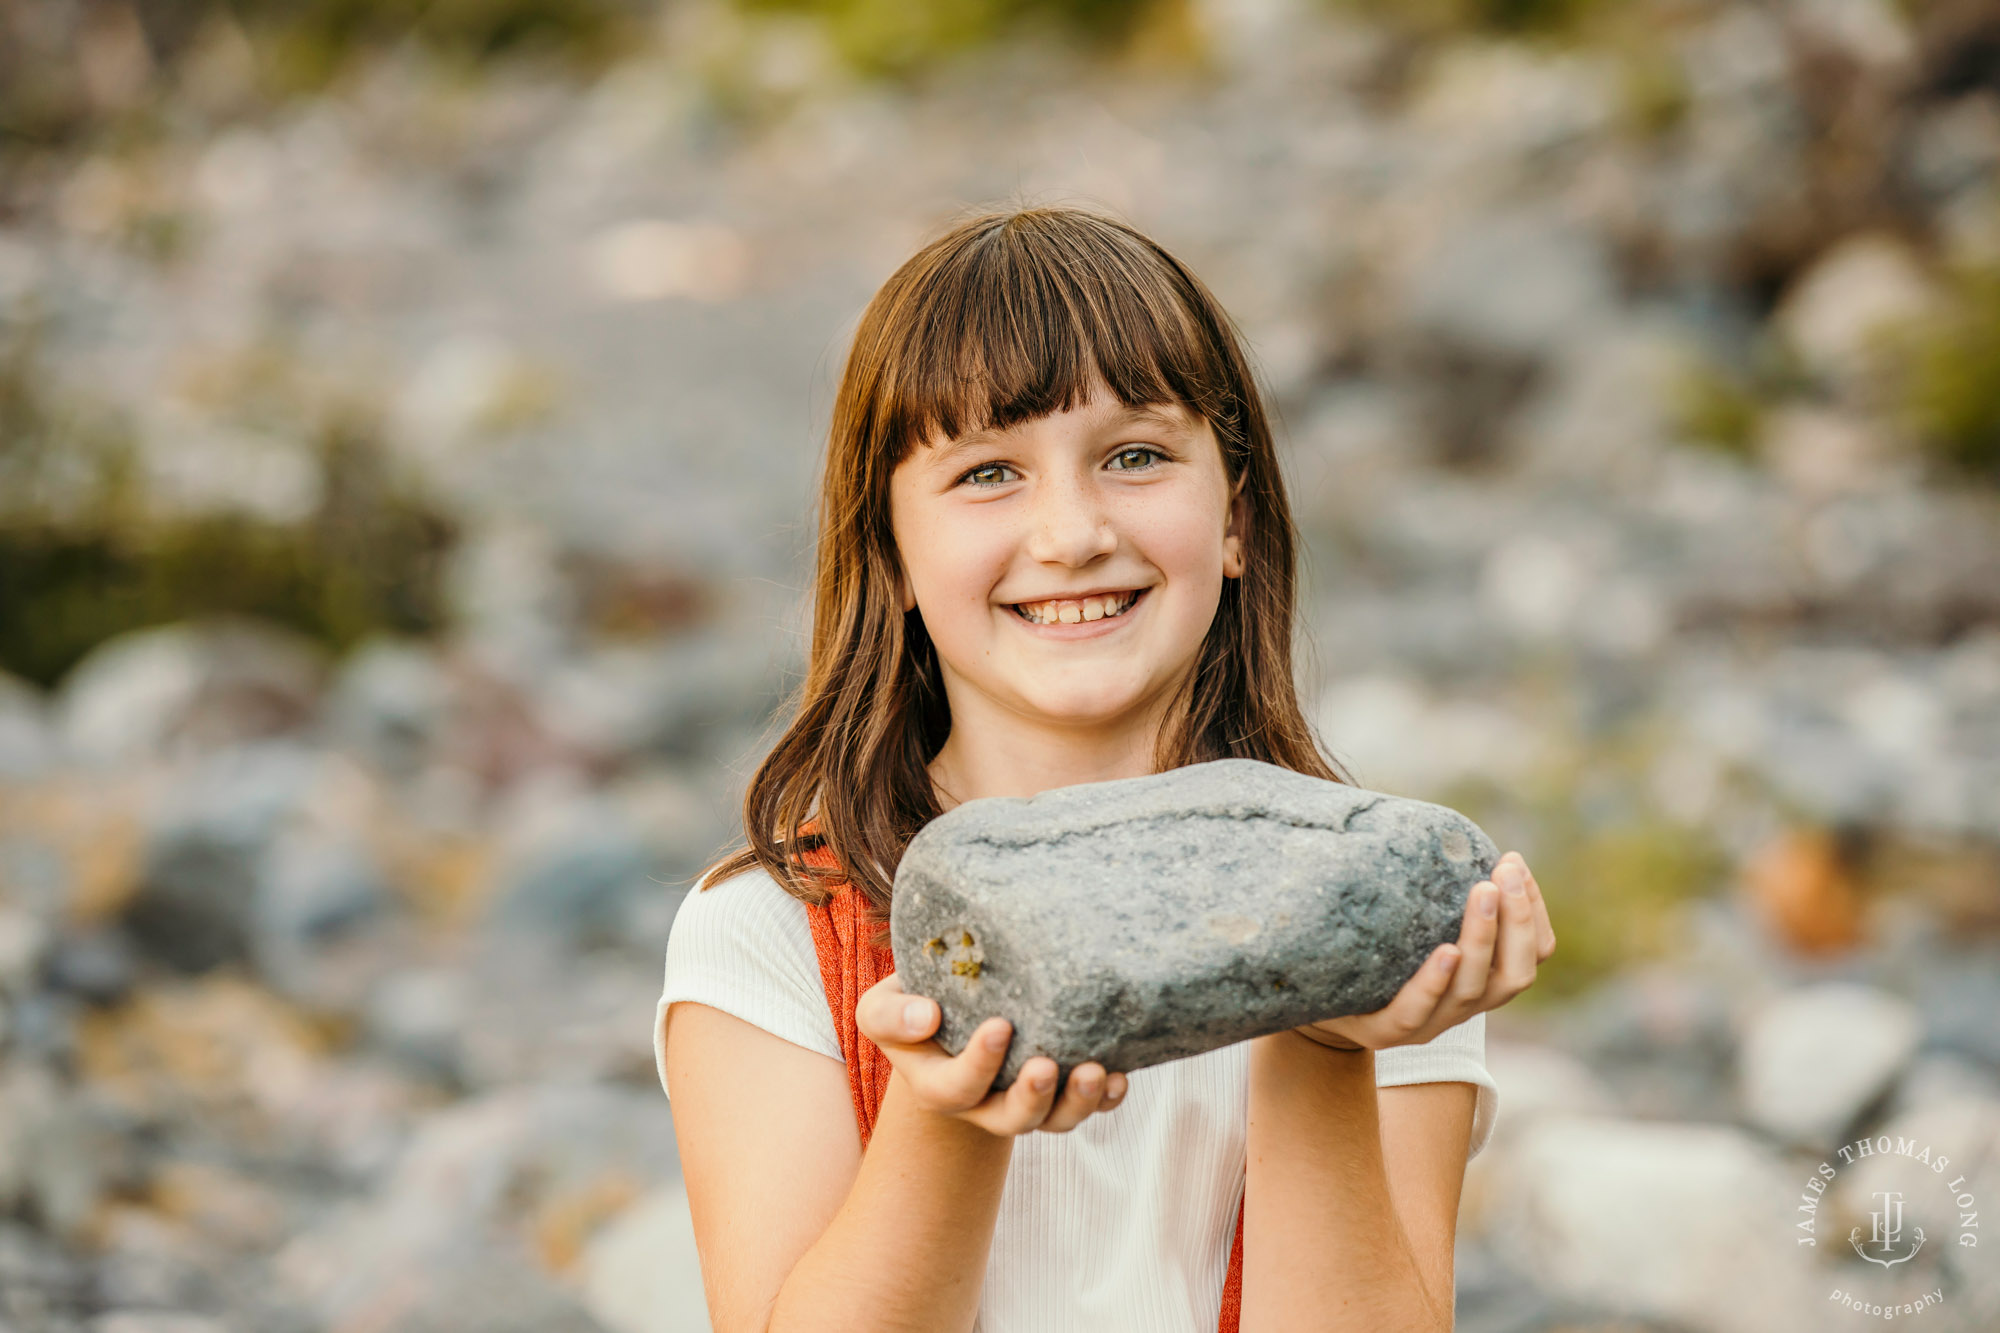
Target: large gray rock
<point x="1146" y="919"/>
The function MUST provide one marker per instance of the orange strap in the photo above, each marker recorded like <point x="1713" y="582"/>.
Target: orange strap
<point x="849" y="963"/>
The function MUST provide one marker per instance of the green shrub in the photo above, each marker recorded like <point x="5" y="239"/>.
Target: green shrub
<point x="1952" y="376"/>
<point x="84" y="556"/>
<point x="895" y="36"/>
<point x="312" y="40"/>
<point x="1511" y="17"/>
<point x="1710" y="406"/>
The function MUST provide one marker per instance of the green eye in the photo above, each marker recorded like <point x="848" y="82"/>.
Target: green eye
<point x="1150" y="455"/>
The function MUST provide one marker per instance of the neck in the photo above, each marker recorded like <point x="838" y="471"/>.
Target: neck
<point x="1013" y="756"/>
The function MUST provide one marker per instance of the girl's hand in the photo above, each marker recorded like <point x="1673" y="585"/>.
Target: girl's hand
<point x="956" y="1085"/>
<point x="1505" y="937"/>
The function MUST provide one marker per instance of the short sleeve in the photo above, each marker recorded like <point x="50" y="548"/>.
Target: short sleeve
<point x="743" y="945"/>
<point x="1456" y="1055"/>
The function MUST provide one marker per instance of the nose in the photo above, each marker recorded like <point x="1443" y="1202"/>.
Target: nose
<point x="1069" y="525"/>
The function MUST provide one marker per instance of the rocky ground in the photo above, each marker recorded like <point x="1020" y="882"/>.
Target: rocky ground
<point x="1631" y="387"/>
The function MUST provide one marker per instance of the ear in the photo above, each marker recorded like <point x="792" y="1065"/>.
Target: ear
<point x="1236" y="531"/>
<point x="904" y="593"/>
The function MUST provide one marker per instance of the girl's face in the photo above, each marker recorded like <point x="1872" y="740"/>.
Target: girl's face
<point x="1068" y="568"/>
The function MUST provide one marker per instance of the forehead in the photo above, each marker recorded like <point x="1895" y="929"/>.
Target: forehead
<point x="1101" y="413"/>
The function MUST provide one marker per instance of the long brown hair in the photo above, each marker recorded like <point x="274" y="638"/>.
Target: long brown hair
<point x="1007" y="317"/>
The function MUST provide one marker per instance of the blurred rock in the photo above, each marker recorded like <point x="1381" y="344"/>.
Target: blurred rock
<point x="1958" y="991"/>
<point x="495" y="1291"/>
<point x="40" y="1283"/>
<point x="157" y="1321"/>
<point x="641" y="1273"/>
<point x="1806" y="890"/>
<point x="572" y="868"/>
<point x="24" y="940"/>
<point x="206" y="850"/>
<point x="27" y="742"/>
<point x="1660" y="1038"/>
<point x="1603" y="417"/>
<point x="42" y="1026"/>
<point x="1872" y="32"/>
<point x="1512" y="285"/>
<point x="509" y="1165"/>
<point x="1937" y="1078"/>
<point x="1533" y="584"/>
<point x="1405" y="741"/>
<point x="388" y="703"/>
<point x="509" y="595"/>
<point x="1513" y="98"/>
<point x="94" y="965"/>
<point x="676" y="697"/>
<point x="1816" y="1057"/>
<point x="179" y="688"/>
<point x="1707" y="1248"/>
<point x="149" y="1262"/>
<point x="1957" y="146"/>
<point x="1820" y="453"/>
<point x="1544" y="1080"/>
<point x="419" y="1014"/>
<point x="260" y="852"/>
<point x="218" y="1053"/>
<point x="1837" y="313"/>
<point x="59" y="1153"/>
<point x="546" y="1012"/>
<point x="317" y="886"/>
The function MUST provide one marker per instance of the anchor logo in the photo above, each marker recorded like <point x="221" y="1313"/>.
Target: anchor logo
<point x="1886" y="1231"/>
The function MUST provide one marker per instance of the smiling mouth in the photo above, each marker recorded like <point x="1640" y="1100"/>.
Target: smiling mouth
<point x="1076" y="610"/>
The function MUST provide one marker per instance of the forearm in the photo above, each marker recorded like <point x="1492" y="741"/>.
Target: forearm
<point x="934" y="1184"/>
<point x="1323" y="1246"/>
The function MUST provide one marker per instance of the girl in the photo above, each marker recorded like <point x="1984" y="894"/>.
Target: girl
<point x="1054" y="548"/>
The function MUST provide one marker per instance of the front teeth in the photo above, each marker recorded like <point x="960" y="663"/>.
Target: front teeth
<point x="1073" y="612"/>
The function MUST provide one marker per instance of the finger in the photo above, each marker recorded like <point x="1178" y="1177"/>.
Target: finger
<point x="1026" y="1103"/>
<point x="1426" y="993"/>
<point x="879" y="1011"/>
<point x="952" y="1084"/>
<point x="1116" y="1085"/>
<point x="1419" y="1001"/>
<point x="1476" y="939"/>
<point x="1515" y="963"/>
<point x="1545" y="931"/>
<point x="966" y="1079"/>
<point x="890" y="1018"/>
<point x="1081" y="1096"/>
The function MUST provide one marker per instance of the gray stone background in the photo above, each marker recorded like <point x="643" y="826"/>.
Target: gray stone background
<point x="1637" y="365"/>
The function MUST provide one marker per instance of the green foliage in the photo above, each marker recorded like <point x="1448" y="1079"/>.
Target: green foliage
<point x="1711" y="407"/>
<point x="311" y="40"/>
<point x="1508" y="17"/>
<point x="1654" y="95"/>
<point x="1617" y="876"/>
<point x="1952" y="376"/>
<point x="84" y="557"/>
<point x="1619" y="895"/>
<point x="895" y="36"/>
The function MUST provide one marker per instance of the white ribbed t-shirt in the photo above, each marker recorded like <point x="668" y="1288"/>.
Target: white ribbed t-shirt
<point x="1125" y="1222"/>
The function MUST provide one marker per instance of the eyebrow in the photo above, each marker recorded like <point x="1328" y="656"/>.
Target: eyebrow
<point x="1142" y="415"/>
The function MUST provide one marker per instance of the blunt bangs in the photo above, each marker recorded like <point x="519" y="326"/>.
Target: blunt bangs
<point x="1026" y="316"/>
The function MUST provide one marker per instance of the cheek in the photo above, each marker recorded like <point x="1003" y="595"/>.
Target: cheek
<point x="953" y="571"/>
<point x="1185" y="542"/>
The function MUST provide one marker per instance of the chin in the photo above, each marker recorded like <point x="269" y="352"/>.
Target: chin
<point x="1083" y="711"/>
